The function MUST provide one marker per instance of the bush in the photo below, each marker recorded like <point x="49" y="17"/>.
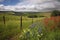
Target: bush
<point x="33" y="16"/>
<point x="52" y="22"/>
<point x="55" y="13"/>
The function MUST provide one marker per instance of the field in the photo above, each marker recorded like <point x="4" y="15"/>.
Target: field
<point x="32" y="29"/>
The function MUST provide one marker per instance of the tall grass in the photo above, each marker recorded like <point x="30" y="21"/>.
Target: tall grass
<point x="47" y="29"/>
<point x="12" y="26"/>
<point x="44" y="29"/>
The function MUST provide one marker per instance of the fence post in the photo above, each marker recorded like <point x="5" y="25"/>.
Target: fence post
<point x="32" y="20"/>
<point x="21" y="22"/>
<point x="4" y="19"/>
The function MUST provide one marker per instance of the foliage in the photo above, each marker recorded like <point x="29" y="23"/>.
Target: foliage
<point x="52" y="22"/>
<point x="33" y="16"/>
<point x="55" y="13"/>
<point x="12" y="26"/>
<point x="36" y="32"/>
<point x="46" y="29"/>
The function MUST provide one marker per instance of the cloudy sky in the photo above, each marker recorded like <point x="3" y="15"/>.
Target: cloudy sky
<point x="29" y="5"/>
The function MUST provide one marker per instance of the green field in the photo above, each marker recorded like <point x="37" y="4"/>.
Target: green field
<point x="12" y="25"/>
<point x="11" y="28"/>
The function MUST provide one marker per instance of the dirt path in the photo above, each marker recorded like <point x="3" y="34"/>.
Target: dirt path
<point x="15" y="37"/>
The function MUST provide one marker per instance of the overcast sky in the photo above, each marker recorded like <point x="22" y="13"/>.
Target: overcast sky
<point x="29" y="5"/>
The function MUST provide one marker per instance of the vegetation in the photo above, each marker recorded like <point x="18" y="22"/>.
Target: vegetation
<point x="55" y="13"/>
<point x="12" y="25"/>
<point x="43" y="27"/>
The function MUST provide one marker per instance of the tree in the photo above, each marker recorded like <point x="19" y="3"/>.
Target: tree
<point x="55" y="13"/>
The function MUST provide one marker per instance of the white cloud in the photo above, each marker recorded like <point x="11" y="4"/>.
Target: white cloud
<point x="1" y="7"/>
<point x="33" y="5"/>
<point x="40" y="4"/>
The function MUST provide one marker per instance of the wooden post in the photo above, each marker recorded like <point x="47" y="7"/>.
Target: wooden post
<point x="32" y="20"/>
<point x="4" y="19"/>
<point x="21" y="22"/>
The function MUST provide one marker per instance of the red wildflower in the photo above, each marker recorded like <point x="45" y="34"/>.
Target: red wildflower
<point x="58" y="18"/>
<point x="46" y="20"/>
<point x="52" y="27"/>
<point x="55" y="20"/>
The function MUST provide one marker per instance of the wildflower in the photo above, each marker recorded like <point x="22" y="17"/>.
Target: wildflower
<point x="41" y="34"/>
<point x="52" y="18"/>
<point x="46" y="20"/>
<point x="32" y="26"/>
<point x="58" y="18"/>
<point x="52" y="27"/>
<point x="28" y="34"/>
<point x="24" y="31"/>
<point x="38" y="35"/>
<point x="40" y="30"/>
<point x="28" y="29"/>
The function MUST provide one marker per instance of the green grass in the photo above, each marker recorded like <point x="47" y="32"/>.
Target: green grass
<point x="12" y="28"/>
<point x="12" y="25"/>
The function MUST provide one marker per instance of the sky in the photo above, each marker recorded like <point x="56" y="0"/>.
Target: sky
<point x="29" y="5"/>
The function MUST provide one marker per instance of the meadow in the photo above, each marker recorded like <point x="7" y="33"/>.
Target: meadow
<point x="12" y="25"/>
<point x="39" y="29"/>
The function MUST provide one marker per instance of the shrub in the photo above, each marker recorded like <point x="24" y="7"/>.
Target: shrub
<point x="33" y="16"/>
<point x="52" y="22"/>
<point x="55" y="13"/>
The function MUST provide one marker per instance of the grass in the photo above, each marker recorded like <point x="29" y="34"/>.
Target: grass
<point x="12" y="28"/>
<point x="12" y="25"/>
